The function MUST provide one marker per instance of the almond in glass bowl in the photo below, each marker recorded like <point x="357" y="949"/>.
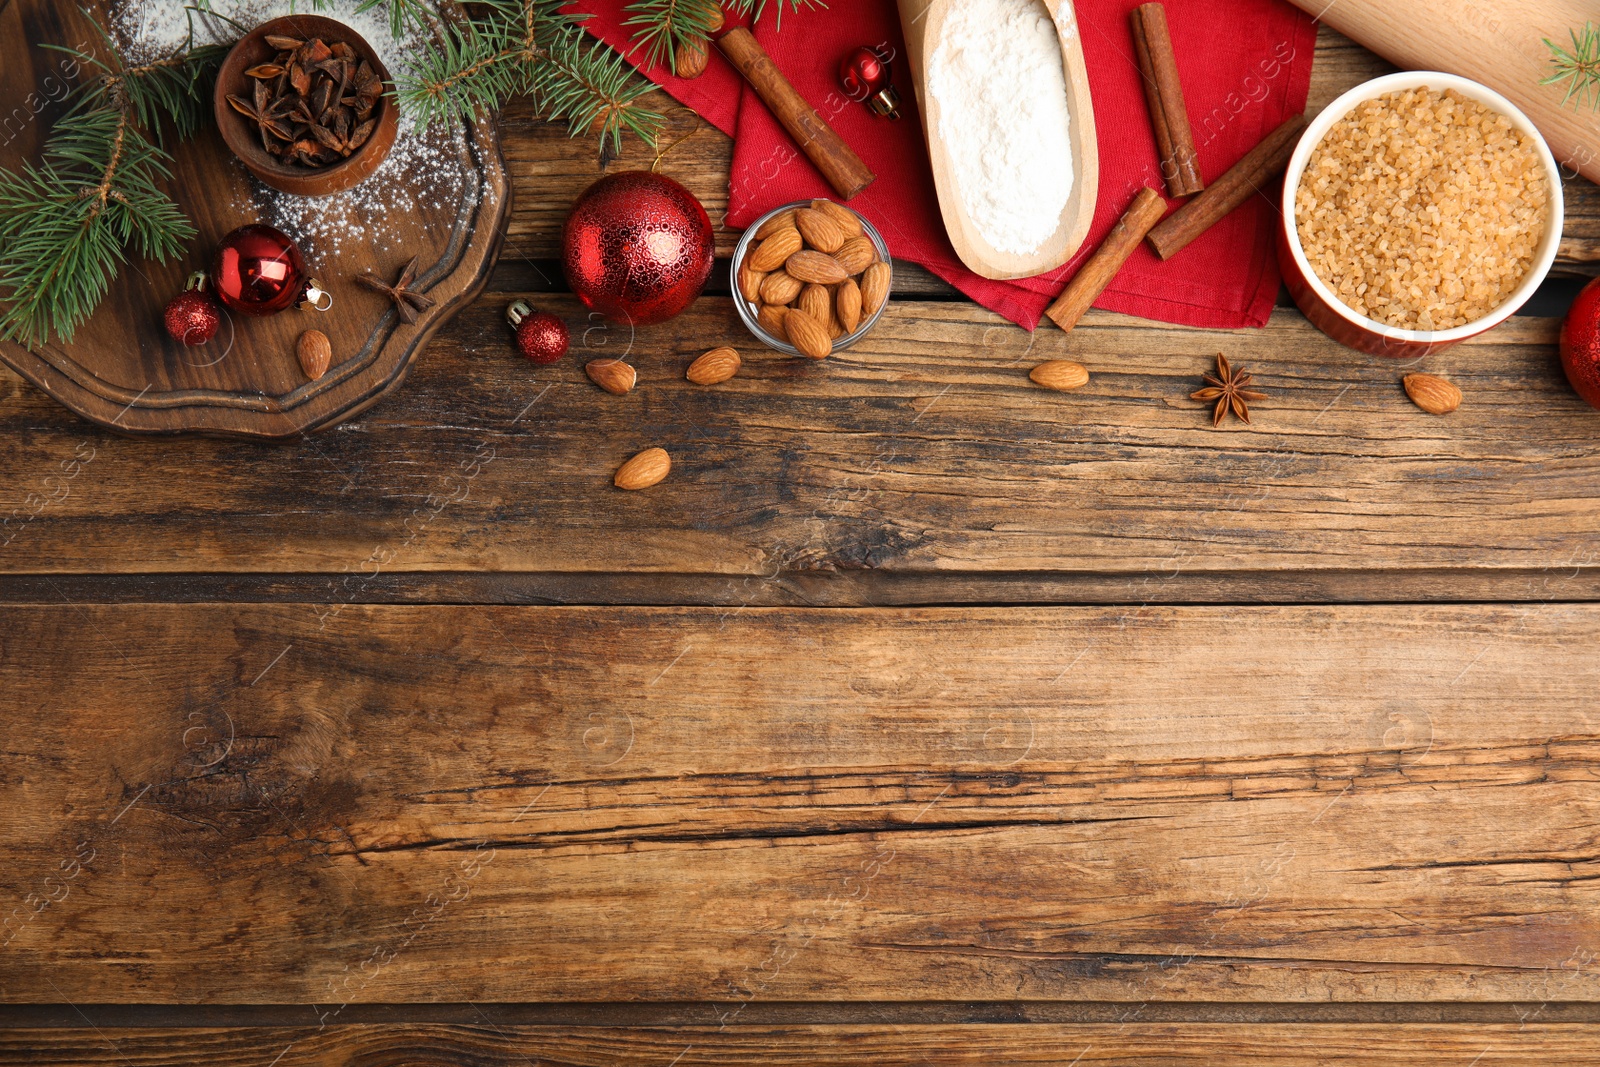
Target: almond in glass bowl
<point x="819" y="262"/>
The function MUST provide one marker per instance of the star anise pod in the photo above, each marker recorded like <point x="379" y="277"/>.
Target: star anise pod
<point x="406" y="302"/>
<point x="263" y="112"/>
<point x="1227" y="388"/>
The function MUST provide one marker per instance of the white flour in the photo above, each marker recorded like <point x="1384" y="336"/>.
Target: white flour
<point x="996" y="73"/>
<point x="428" y="168"/>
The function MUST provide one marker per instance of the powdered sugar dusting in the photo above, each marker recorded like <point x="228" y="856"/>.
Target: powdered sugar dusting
<point x="422" y="169"/>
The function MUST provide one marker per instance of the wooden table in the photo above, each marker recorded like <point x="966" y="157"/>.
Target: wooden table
<point x="922" y="716"/>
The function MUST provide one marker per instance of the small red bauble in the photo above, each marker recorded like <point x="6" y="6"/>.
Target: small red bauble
<point x="193" y="316"/>
<point x="1580" y="344"/>
<point x="541" y="337"/>
<point x="637" y="247"/>
<point x="864" y="76"/>
<point x="259" y="271"/>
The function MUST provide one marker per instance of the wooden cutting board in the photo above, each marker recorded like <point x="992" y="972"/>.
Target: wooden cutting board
<point x="121" y="370"/>
<point x="1499" y="43"/>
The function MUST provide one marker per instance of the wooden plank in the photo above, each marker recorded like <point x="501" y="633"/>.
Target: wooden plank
<point x="812" y="589"/>
<point x="550" y="170"/>
<point x="925" y="449"/>
<point x="281" y="804"/>
<point x="1129" y="1045"/>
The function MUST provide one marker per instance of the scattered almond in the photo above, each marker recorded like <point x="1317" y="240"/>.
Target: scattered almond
<point x="714" y="21"/>
<point x="848" y="220"/>
<point x="643" y="470"/>
<point x="771" y="253"/>
<point x="717" y="365"/>
<point x="780" y="287"/>
<point x="847" y="305"/>
<point x="750" y="282"/>
<point x="819" y="230"/>
<point x="690" y="57"/>
<point x="1432" y="393"/>
<point x="812" y="266"/>
<point x="315" y="353"/>
<point x="857" y="254"/>
<point x="1060" y="374"/>
<point x="808" y="335"/>
<point x="612" y="375"/>
<point x="782" y="221"/>
<point x="874" y="288"/>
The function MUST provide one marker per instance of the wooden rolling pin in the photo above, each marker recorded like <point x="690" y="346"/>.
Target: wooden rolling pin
<point x="1497" y="42"/>
<point x="825" y="148"/>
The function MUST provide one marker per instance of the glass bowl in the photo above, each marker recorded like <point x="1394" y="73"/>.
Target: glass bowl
<point x="747" y="310"/>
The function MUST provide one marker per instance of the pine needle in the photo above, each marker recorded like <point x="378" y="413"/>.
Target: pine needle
<point x="1579" y="68"/>
<point x="756" y="8"/>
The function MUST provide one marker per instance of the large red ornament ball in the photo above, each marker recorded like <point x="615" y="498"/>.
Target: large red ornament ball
<point x="259" y="271"/>
<point x="637" y="247"/>
<point x="1580" y="344"/>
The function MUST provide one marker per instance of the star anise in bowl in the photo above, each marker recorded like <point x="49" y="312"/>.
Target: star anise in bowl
<point x="313" y="103"/>
<point x="302" y="101"/>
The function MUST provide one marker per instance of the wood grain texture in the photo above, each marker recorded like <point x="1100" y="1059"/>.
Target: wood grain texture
<point x="293" y="804"/>
<point x="121" y="369"/>
<point x="924" y="449"/>
<point x="549" y="170"/>
<point x="1133" y="1044"/>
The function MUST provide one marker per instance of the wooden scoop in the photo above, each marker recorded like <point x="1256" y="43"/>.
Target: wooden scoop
<point x="923" y="21"/>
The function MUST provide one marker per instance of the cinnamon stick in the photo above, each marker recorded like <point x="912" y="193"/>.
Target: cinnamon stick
<point x="1258" y="167"/>
<point x="1093" y="277"/>
<point x="1152" y="43"/>
<point x="824" y="147"/>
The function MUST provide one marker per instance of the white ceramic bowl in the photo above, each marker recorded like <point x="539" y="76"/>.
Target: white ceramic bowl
<point x="1336" y="318"/>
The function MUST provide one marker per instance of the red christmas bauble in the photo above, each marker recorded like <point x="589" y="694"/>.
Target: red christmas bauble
<point x="541" y="337"/>
<point x="1580" y="344"/>
<point x="864" y="75"/>
<point x="637" y="247"/>
<point x="193" y="316"/>
<point x="259" y="271"/>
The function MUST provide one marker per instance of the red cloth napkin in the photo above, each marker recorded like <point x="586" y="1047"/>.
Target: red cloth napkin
<point x="1245" y="64"/>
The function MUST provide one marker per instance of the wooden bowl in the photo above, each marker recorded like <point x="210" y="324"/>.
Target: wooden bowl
<point x="923" y="22"/>
<point x="1342" y="322"/>
<point x="252" y="50"/>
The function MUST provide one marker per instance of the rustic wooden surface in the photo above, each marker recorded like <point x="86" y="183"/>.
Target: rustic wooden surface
<point x="919" y="717"/>
<point x="121" y="369"/>
<point x="1202" y="803"/>
<point x="1133" y="1045"/>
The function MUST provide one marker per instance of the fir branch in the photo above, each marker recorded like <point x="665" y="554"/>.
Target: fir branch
<point x="667" y="25"/>
<point x="592" y="87"/>
<point x="527" y="47"/>
<point x="1580" y="67"/>
<point x="67" y="222"/>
